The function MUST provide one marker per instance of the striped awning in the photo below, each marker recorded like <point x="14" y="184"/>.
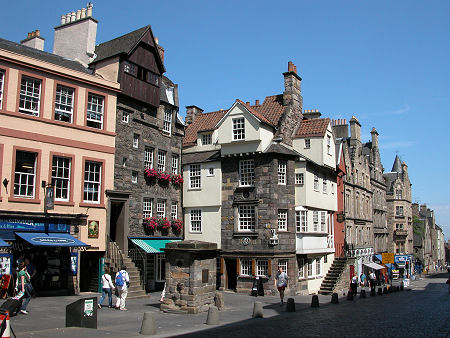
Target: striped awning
<point x="152" y="245"/>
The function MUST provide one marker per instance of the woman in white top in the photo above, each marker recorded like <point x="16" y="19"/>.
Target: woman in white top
<point x="107" y="286"/>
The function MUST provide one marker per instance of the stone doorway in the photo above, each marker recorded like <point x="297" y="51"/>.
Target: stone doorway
<point x="231" y="266"/>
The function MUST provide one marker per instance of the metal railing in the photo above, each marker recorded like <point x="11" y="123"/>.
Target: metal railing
<point x="114" y="254"/>
<point x="140" y="260"/>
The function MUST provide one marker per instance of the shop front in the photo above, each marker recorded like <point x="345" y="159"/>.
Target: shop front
<point x="404" y="265"/>
<point x="47" y="247"/>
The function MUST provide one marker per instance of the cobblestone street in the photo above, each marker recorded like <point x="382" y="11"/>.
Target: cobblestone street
<point x="422" y="311"/>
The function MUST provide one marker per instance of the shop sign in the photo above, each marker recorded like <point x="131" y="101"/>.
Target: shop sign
<point x="387" y="258"/>
<point x="74" y="262"/>
<point x="52" y="240"/>
<point x="93" y="229"/>
<point x="88" y="308"/>
<point x="32" y="225"/>
<point x="401" y="260"/>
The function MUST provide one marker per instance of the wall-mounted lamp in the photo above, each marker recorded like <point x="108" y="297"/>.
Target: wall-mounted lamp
<point x="5" y="184"/>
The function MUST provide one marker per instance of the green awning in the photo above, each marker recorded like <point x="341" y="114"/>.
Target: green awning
<point x="153" y="245"/>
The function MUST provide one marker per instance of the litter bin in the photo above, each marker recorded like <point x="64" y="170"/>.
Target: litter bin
<point x="82" y="313"/>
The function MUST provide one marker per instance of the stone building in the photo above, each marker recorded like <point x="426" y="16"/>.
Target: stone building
<point x="145" y="205"/>
<point x="57" y="138"/>
<point x="378" y="186"/>
<point x="399" y="217"/>
<point x="359" y="231"/>
<point x="423" y="220"/>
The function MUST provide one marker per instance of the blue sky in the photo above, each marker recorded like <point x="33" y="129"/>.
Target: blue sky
<point x="386" y="62"/>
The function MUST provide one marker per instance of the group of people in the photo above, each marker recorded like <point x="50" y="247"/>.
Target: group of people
<point x="371" y="281"/>
<point x="120" y="286"/>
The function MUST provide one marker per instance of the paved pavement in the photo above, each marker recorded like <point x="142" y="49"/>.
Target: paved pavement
<point x="422" y="311"/>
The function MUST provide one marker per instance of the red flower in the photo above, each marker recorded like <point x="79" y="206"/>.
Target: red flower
<point x="151" y="223"/>
<point x="151" y="172"/>
<point x="163" y="223"/>
<point x="177" y="179"/>
<point x="164" y="177"/>
<point x="177" y="225"/>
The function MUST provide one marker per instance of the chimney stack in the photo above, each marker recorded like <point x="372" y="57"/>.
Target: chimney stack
<point x="355" y="129"/>
<point x="340" y="128"/>
<point x="374" y="134"/>
<point x="191" y="114"/>
<point x="34" y="40"/>
<point x="256" y="102"/>
<point x="310" y="114"/>
<point x="75" y="36"/>
<point x="160" y="49"/>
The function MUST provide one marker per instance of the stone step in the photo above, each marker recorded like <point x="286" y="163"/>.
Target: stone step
<point x="137" y="294"/>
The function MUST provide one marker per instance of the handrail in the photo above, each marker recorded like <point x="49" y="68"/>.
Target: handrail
<point x="140" y="259"/>
<point x="114" y="253"/>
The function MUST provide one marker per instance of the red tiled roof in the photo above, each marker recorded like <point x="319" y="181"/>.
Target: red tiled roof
<point x="258" y="115"/>
<point x="272" y="108"/>
<point x="203" y="122"/>
<point x="314" y="127"/>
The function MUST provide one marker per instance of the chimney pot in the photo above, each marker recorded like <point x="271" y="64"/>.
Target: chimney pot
<point x="89" y="9"/>
<point x="157" y="40"/>
<point x="38" y="32"/>
<point x="78" y="14"/>
<point x="67" y="17"/>
<point x="29" y="35"/>
<point x="248" y="103"/>
<point x="63" y="19"/>
<point x="83" y="13"/>
<point x="256" y="102"/>
<point x="73" y="16"/>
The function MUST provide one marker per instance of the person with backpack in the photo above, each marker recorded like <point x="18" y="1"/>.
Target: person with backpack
<point x="107" y="287"/>
<point x="122" y="284"/>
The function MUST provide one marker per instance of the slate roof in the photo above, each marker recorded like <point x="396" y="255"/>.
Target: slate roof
<point x="203" y="122"/>
<point x="119" y="45"/>
<point x="199" y="157"/>
<point x="279" y="148"/>
<point x="390" y="179"/>
<point x="43" y="56"/>
<point x="397" y="167"/>
<point x="313" y="127"/>
<point x="166" y="83"/>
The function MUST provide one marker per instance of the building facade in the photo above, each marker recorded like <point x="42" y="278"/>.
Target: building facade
<point x="57" y="139"/>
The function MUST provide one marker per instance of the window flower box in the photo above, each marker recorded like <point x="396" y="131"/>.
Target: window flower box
<point x="177" y="179"/>
<point x="151" y="173"/>
<point x="164" y="224"/>
<point x="151" y="223"/>
<point x="177" y="225"/>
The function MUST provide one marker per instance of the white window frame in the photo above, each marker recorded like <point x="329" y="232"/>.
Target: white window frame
<point x="148" y="157"/>
<point x="136" y="141"/>
<point x="95" y="111"/>
<point x="2" y="85"/>
<point x="283" y="263"/>
<point x="315" y="221"/>
<point x="175" y="161"/>
<point x="282" y="219"/>
<point x="238" y="129"/>
<point x="64" y="101"/>
<point x="262" y="267"/>
<point x="318" y="266"/>
<point x="299" y="178"/>
<point x="147" y="207"/>
<point x="301" y="268"/>
<point x="310" y="262"/>
<point x="161" y="208"/>
<point x="246" y="173"/>
<point x="167" y="127"/>
<point x="174" y="211"/>
<point x="160" y="267"/>
<point x="162" y="160"/>
<point x="398" y="194"/>
<point x="30" y="96"/>
<point x="210" y="171"/>
<point x="245" y="267"/>
<point x="301" y="220"/>
<point x="316" y="182"/>
<point x="206" y="139"/>
<point x="125" y="116"/>
<point x="307" y="143"/>
<point x="282" y="168"/>
<point x="195" y="176"/>
<point x="195" y="220"/>
<point x="25" y="180"/>
<point x="246" y="218"/>
<point x="324" y="185"/>
<point x="323" y="221"/>
<point x="329" y="144"/>
<point x="399" y="210"/>
<point x="134" y="177"/>
<point x="61" y="172"/>
<point x="92" y="185"/>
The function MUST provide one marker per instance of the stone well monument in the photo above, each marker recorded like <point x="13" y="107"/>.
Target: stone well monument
<point x="190" y="276"/>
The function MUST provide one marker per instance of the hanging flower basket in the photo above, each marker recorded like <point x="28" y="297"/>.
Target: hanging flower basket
<point x="163" y="224"/>
<point x="164" y="177"/>
<point x="177" y="225"/>
<point x="177" y="179"/>
<point x="151" y="223"/>
<point x="151" y="173"/>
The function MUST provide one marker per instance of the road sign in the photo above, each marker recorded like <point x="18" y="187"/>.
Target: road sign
<point x="387" y="258"/>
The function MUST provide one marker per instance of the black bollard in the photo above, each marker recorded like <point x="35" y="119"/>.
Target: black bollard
<point x="380" y="291"/>
<point x="372" y="292"/>
<point x="334" y="298"/>
<point x="385" y="290"/>
<point x="290" y="306"/>
<point x="390" y="289"/>
<point x="401" y="286"/>
<point x="315" y="301"/>
<point x="350" y="296"/>
<point x="362" y="294"/>
<point x="397" y="288"/>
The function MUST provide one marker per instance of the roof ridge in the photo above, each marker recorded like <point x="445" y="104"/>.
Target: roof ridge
<point x="120" y="37"/>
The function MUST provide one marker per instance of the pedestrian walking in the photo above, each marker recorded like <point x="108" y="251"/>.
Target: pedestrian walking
<point x="362" y="278"/>
<point x="122" y="284"/>
<point x="163" y="294"/>
<point x="372" y="280"/>
<point x="24" y="285"/>
<point x="107" y="288"/>
<point x="354" y="284"/>
<point x="281" y="282"/>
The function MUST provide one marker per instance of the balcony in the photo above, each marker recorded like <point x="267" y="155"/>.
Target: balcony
<point x="401" y="233"/>
<point x="314" y="242"/>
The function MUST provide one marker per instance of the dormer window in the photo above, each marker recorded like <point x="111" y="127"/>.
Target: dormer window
<point x="307" y="143"/>
<point x="206" y="139"/>
<point x="329" y="144"/>
<point x="238" y="129"/>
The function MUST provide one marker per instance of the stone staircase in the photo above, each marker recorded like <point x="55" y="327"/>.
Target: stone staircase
<point x="333" y="276"/>
<point x="115" y="259"/>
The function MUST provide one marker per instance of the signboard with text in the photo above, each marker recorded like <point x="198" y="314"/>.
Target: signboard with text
<point x="387" y="258"/>
<point x="32" y="225"/>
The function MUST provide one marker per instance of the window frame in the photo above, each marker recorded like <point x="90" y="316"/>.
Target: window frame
<point x="301" y="262"/>
<point x="282" y="220"/>
<point x="175" y="163"/>
<point x="282" y="172"/>
<point x="195" y="215"/>
<point x="399" y="211"/>
<point x="247" y="173"/>
<point x="136" y="141"/>
<point x="299" y="178"/>
<point x="73" y="106"/>
<point x="262" y="264"/>
<point x="207" y="137"/>
<point x="301" y="221"/>
<point x="329" y="144"/>
<point x="102" y="114"/>
<point x="162" y="155"/>
<point x="32" y="99"/>
<point x="2" y="87"/>
<point x="315" y="220"/>
<point x="174" y="211"/>
<point x="161" y="208"/>
<point x="167" y="123"/>
<point x="69" y="179"/>
<point x="238" y="129"/>
<point x="245" y="267"/>
<point x="99" y="182"/>
<point x="134" y="177"/>
<point x="195" y="176"/>
<point x="324" y="185"/>
<point x="307" y="143"/>
<point x="316" y="182"/>
<point x="147" y="207"/>
<point x="246" y="218"/>
<point x="323" y="221"/>
<point x="284" y="263"/>
<point x="34" y="175"/>
<point x="149" y="154"/>
<point x="125" y="116"/>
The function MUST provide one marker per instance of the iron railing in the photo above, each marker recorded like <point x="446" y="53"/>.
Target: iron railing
<point x="114" y="254"/>
<point x="140" y="260"/>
